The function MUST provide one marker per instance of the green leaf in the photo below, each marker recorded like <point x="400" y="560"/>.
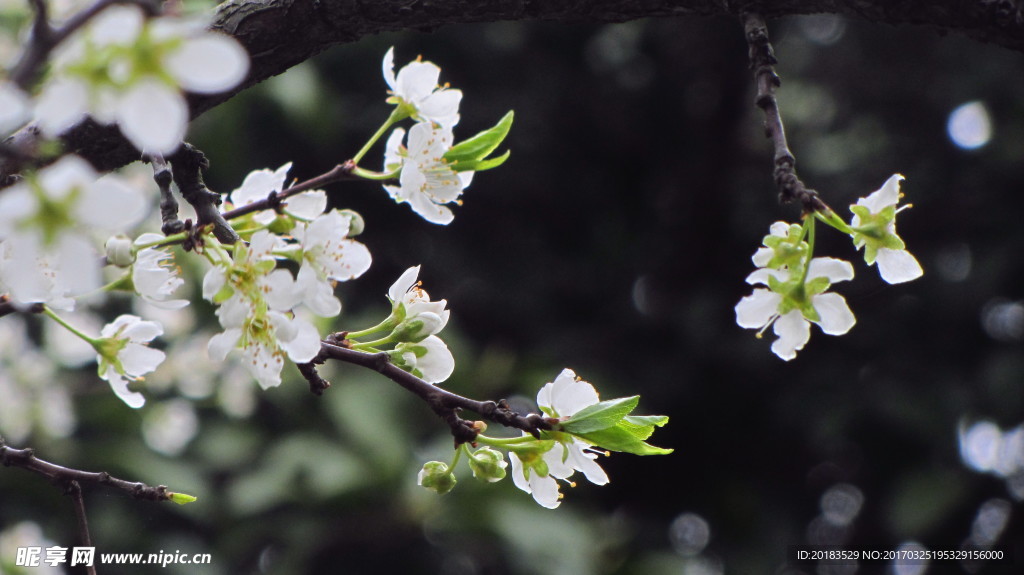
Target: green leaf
<point x="600" y="415"/>
<point x="626" y="440"/>
<point x="481" y="145"/>
<point x="479" y="165"/>
<point x="180" y="498"/>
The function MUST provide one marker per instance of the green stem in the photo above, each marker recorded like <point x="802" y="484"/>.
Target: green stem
<point x="503" y="441"/>
<point x="835" y="221"/>
<point x="376" y="176"/>
<point x="455" y="458"/>
<point x="388" y="324"/>
<point x="809" y="228"/>
<point x="392" y="119"/>
<point x="172" y="239"/>
<point x="371" y="344"/>
<point x="49" y="312"/>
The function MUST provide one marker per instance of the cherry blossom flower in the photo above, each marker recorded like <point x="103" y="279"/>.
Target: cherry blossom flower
<point x="411" y="304"/>
<point x="47" y="222"/>
<point x="257" y="186"/>
<point x="792" y="303"/>
<point x="124" y="356"/>
<point x="256" y="300"/>
<point x="153" y="279"/>
<point x="426" y="181"/>
<point x="537" y="474"/>
<point x="874" y="225"/>
<point x="328" y="255"/>
<point x="415" y="88"/>
<point x="122" y="68"/>
<point x="428" y="359"/>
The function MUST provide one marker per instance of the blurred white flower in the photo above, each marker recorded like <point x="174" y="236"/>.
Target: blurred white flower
<point x="153" y="278"/>
<point x="124" y="355"/>
<point x="122" y="68"/>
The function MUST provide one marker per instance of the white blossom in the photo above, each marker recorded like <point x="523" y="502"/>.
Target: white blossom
<point x="122" y="68"/>
<point x="153" y="279"/>
<point x="429" y="359"/>
<point x="257" y="186"/>
<point x="416" y="87"/>
<point x="792" y="309"/>
<point x="46" y="224"/>
<point x="124" y="356"/>
<point x="411" y="302"/>
<point x="562" y="398"/>
<point x="426" y="181"/>
<point x="874" y="225"/>
<point x="14" y="105"/>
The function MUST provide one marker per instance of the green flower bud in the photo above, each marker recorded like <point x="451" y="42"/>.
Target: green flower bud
<point x="488" y="464"/>
<point x="180" y="498"/>
<point x="356" y="223"/>
<point x="417" y="328"/>
<point x="436" y="476"/>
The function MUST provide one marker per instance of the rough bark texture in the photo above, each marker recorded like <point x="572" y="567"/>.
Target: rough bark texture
<point x="282" y="33"/>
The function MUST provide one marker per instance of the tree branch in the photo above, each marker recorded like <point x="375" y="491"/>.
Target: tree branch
<point x="762" y="61"/>
<point x="444" y="403"/>
<point x="279" y="34"/>
<point x="273" y="201"/>
<point x="187" y="165"/>
<point x="26" y="459"/>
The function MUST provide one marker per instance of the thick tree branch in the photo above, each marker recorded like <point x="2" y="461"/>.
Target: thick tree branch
<point x="282" y="33"/>
<point x="444" y="403"/>
<point x="187" y="165"/>
<point x="26" y="459"/>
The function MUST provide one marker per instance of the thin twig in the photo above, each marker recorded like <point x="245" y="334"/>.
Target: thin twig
<point x="762" y="61"/>
<point x="9" y="307"/>
<point x="444" y="403"/>
<point x="338" y="173"/>
<point x="26" y="459"/>
<point x="75" y="490"/>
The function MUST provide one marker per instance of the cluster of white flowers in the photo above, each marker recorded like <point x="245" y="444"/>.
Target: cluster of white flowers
<point x="259" y="302"/>
<point x="426" y="180"/>
<point x="419" y="350"/>
<point x="796" y="282"/>
<point x="125" y="68"/>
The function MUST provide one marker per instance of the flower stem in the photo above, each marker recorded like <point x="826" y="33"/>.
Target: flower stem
<point x="503" y="441"/>
<point x="809" y="228"/>
<point x="835" y="221"/>
<point x="387" y="324"/>
<point x="394" y="117"/>
<point x="49" y="312"/>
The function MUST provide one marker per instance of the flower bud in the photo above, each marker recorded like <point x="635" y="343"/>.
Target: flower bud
<point x="436" y="476"/>
<point x="488" y="464"/>
<point x="119" y="251"/>
<point x="180" y="498"/>
<point x="356" y="223"/>
<point x="417" y="328"/>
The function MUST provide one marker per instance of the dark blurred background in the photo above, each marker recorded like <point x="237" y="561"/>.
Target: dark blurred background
<point x="615" y="241"/>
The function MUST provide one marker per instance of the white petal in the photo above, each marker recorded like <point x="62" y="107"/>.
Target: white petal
<point x="835" y="270"/>
<point x="281" y="292"/>
<point x="836" y="317"/>
<point x="570" y="395"/>
<point x="416" y="81"/>
<point x="308" y="205"/>
<point x="139" y="331"/>
<point x="441" y="107"/>
<point x="222" y="343"/>
<point x="762" y="256"/>
<point x="545" y="490"/>
<point x="213" y="281"/>
<point x="258" y="184"/>
<point x="887" y="195"/>
<point x="586" y="462"/>
<point x="393" y="150"/>
<point x="793" y="331"/>
<point x="438" y="363"/>
<point x="13" y="106"/>
<point x="388" y="67"/>
<point x="761" y="275"/>
<point x="66" y="174"/>
<point x="518" y="476"/>
<point x="119" y="384"/>
<point x="898" y="266"/>
<point x="116" y="25"/>
<point x="404" y="283"/>
<point x="304" y="343"/>
<point x="780" y="229"/>
<point x="139" y="360"/>
<point x="111" y="204"/>
<point x="62" y="104"/>
<point x="317" y="295"/>
<point x="153" y="116"/>
<point x="209" y="63"/>
<point x="428" y="210"/>
<point x="757" y="309"/>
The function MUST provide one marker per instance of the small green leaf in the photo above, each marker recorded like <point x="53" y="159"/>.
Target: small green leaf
<point x="481" y="145"/>
<point x="180" y="498"/>
<point x="624" y="439"/>
<point x="480" y="165"/>
<point x="600" y="415"/>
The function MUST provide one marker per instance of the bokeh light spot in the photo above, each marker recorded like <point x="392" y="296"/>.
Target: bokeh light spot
<point x="969" y="126"/>
<point x="689" y="534"/>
